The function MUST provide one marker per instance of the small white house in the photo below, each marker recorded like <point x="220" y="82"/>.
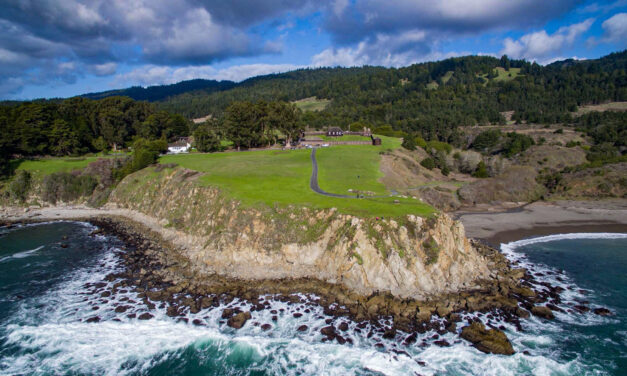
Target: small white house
<point x="181" y="146"/>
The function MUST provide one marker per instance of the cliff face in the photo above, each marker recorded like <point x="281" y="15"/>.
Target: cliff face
<point x="410" y="257"/>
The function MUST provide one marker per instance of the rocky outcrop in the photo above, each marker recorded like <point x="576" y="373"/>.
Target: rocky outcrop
<point x="409" y="257"/>
<point x="491" y="341"/>
<point x="516" y="184"/>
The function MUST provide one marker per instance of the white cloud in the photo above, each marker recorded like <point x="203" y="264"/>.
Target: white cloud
<point x="387" y="50"/>
<point x="540" y="46"/>
<point x="615" y="29"/>
<point x="159" y="75"/>
<point x="104" y="69"/>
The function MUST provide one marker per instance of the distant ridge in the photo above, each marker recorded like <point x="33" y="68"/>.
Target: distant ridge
<point x="160" y="92"/>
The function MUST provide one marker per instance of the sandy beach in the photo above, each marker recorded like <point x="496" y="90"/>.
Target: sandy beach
<point x="544" y="218"/>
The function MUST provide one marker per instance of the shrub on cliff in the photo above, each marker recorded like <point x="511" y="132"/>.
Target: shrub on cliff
<point x="144" y="154"/>
<point x="20" y="185"/>
<point x="428" y="163"/>
<point x="65" y="186"/>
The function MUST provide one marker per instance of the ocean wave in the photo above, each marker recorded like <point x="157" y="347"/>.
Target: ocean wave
<point x="21" y="255"/>
<point x="58" y="340"/>
<point x="555" y="237"/>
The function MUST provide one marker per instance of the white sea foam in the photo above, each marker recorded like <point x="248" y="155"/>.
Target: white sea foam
<point x="508" y="247"/>
<point x="20" y="255"/>
<point x="59" y="340"/>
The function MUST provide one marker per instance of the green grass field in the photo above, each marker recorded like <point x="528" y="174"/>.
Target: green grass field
<point x="348" y="137"/>
<point x="45" y="166"/>
<point x="503" y="75"/>
<point x="312" y="104"/>
<point x="273" y="177"/>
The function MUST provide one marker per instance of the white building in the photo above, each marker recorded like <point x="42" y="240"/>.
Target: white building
<point x="181" y="146"/>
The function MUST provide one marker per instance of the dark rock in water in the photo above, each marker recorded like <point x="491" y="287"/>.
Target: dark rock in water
<point x="239" y="320"/>
<point x="389" y="334"/>
<point x="274" y="318"/>
<point x="341" y="340"/>
<point x="410" y="339"/>
<point x="297" y="315"/>
<point x="492" y="341"/>
<point x="145" y="316"/>
<point x="543" y="312"/>
<point x="172" y="311"/>
<point x="379" y="345"/>
<point x="266" y="327"/>
<point x="197" y="322"/>
<point x="581" y="308"/>
<point x="131" y="316"/>
<point x="93" y="319"/>
<point x="602" y="311"/>
<point x="553" y="307"/>
<point x="442" y="343"/>
<point x="328" y="331"/>
<point x="522" y="313"/>
<point x="328" y="321"/>
<point x="302" y="328"/>
<point x="106" y="294"/>
<point x="343" y="326"/>
<point x="121" y="309"/>
<point x="227" y="313"/>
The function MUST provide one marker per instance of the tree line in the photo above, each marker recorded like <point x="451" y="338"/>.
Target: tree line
<point x="432" y="99"/>
<point x="78" y="126"/>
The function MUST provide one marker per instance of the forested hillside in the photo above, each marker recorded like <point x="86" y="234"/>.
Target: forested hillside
<point x="78" y="126"/>
<point x="160" y="92"/>
<point x="432" y="99"/>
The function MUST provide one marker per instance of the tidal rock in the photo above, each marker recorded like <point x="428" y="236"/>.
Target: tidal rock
<point x="302" y="328"/>
<point x="266" y="327"/>
<point x="491" y="341"/>
<point x="145" y="316"/>
<point x="543" y="312"/>
<point x="328" y="331"/>
<point x="239" y="320"/>
<point x="602" y="311"/>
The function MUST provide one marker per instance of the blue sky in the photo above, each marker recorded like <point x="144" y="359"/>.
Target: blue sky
<point x="61" y="48"/>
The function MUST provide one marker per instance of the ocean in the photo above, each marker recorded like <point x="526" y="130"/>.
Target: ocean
<point x="48" y="273"/>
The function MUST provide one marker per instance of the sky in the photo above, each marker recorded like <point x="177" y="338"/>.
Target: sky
<point x="62" y="48"/>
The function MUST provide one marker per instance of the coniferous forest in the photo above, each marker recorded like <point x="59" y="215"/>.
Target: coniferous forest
<point x="429" y="100"/>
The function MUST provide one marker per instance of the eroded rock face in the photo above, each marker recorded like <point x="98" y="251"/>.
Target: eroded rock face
<point x="544" y="312"/>
<point x="491" y="341"/>
<point x="411" y="257"/>
<point x="238" y="320"/>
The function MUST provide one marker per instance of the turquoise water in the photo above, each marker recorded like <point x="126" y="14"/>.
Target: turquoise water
<point x="48" y="273"/>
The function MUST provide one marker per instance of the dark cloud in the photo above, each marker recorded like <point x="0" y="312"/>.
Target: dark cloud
<point x="39" y="36"/>
<point x="352" y="22"/>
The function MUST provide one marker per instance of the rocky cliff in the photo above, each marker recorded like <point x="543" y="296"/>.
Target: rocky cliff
<point x="409" y="257"/>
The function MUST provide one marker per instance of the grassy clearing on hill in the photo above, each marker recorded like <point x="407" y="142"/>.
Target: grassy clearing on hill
<point x="312" y="104"/>
<point x="49" y="165"/>
<point x="348" y="137"/>
<point x="610" y="106"/>
<point x="274" y="177"/>
<point x="504" y="75"/>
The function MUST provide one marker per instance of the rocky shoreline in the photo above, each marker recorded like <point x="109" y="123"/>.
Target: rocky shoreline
<point x="161" y="275"/>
